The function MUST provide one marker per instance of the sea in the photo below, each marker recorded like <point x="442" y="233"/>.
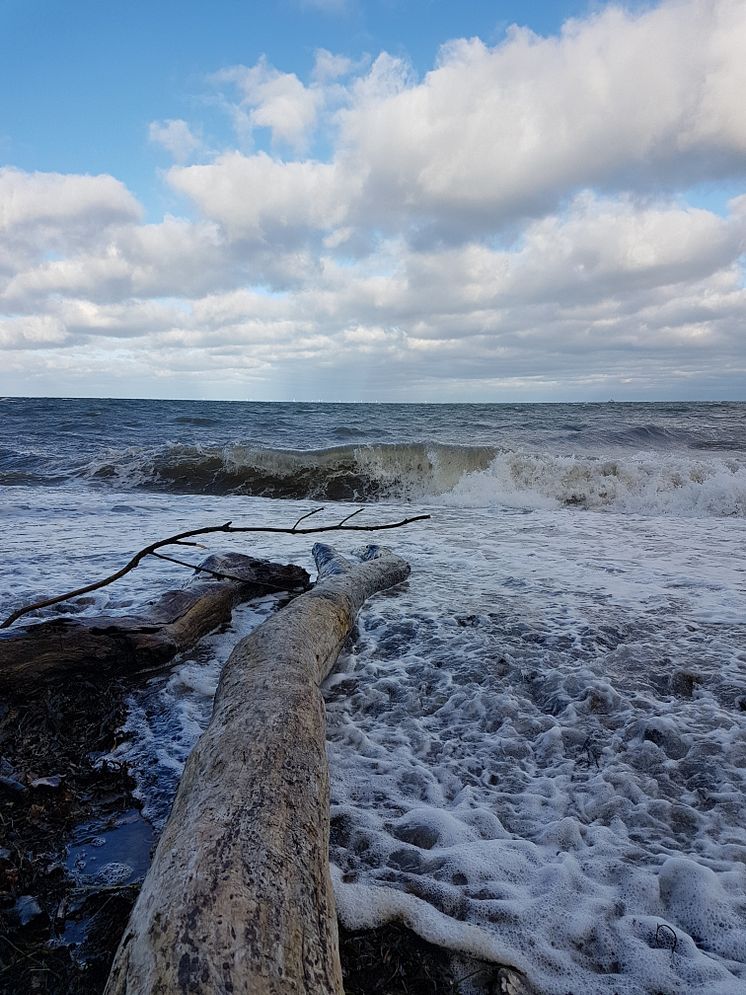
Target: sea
<point x="537" y="744"/>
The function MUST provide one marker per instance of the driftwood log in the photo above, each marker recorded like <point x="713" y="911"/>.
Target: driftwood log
<point x="134" y="643"/>
<point x="238" y="897"/>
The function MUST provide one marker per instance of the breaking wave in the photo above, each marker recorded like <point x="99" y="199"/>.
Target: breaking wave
<point x="705" y="485"/>
<point x="341" y="473"/>
<point x="644" y="484"/>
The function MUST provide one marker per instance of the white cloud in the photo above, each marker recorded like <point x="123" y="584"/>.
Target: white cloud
<point x="517" y="216"/>
<point x="32" y="332"/>
<point x="275" y="100"/>
<point x="328" y="66"/>
<point x="260" y="197"/>
<point x="43" y="212"/>
<point x="176" y="137"/>
<point x="606" y="281"/>
<point x="619" y="101"/>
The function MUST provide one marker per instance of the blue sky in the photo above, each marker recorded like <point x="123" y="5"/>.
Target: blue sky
<point x="87" y="76"/>
<point x="352" y="198"/>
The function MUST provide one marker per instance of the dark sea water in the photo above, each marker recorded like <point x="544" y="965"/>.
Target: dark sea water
<point x="538" y="744"/>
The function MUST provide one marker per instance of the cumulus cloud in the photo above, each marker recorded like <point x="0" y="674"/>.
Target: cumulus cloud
<point x="515" y="220"/>
<point x="33" y="332"/>
<point x="176" y="137"/>
<point x="259" y="197"/>
<point x="275" y="100"/>
<point x="45" y="212"/>
<point x="130" y="261"/>
<point x="328" y="66"/>
<point x="618" y="101"/>
<point x="602" y="284"/>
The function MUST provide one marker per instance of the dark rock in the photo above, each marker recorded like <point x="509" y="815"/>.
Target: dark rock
<point x="406" y="860"/>
<point x="683" y="683"/>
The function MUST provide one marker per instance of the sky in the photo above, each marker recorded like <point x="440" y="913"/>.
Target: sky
<point x="373" y="200"/>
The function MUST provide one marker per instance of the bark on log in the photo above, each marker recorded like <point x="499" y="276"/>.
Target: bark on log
<point x="134" y="643"/>
<point x="238" y="897"/>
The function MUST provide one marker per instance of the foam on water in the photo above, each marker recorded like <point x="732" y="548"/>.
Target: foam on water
<point x="644" y="483"/>
<point x="166" y="720"/>
<point x="537" y="746"/>
<point x="520" y="768"/>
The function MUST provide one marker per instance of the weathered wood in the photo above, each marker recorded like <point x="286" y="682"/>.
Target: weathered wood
<point x="238" y="897"/>
<point x="133" y="643"/>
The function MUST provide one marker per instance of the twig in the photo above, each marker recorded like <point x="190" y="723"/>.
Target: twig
<point x="590" y="748"/>
<point x="307" y="515"/>
<point x="356" y="512"/>
<point x="175" y="540"/>
<point x="672" y="931"/>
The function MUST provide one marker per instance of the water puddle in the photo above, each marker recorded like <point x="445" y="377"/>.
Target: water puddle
<point x="104" y="857"/>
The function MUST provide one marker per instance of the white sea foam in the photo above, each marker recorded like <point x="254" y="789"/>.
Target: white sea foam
<point x="547" y="765"/>
<point x="643" y="484"/>
<point x="537" y="746"/>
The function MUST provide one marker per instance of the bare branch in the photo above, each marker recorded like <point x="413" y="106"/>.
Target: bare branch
<point x="196" y="567"/>
<point x="179" y="538"/>
<point x="307" y="515"/>
<point x="356" y="512"/>
<point x="220" y="575"/>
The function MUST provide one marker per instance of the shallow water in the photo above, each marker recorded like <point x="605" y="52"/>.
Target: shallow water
<point x="538" y="744"/>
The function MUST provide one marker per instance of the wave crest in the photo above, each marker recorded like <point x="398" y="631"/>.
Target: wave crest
<point x="458" y="476"/>
<point x="342" y="473"/>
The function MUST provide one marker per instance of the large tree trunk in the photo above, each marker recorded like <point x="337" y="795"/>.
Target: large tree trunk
<point x="129" y="644"/>
<point x="238" y="897"/>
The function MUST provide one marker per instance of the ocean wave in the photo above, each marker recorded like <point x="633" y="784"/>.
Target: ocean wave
<point x="460" y="476"/>
<point x="341" y="473"/>
<point x="27" y="469"/>
<point x="643" y="484"/>
<point x="195" y="420"/>
<point x="667" y="438"/>
<point x="649" y="435"/>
